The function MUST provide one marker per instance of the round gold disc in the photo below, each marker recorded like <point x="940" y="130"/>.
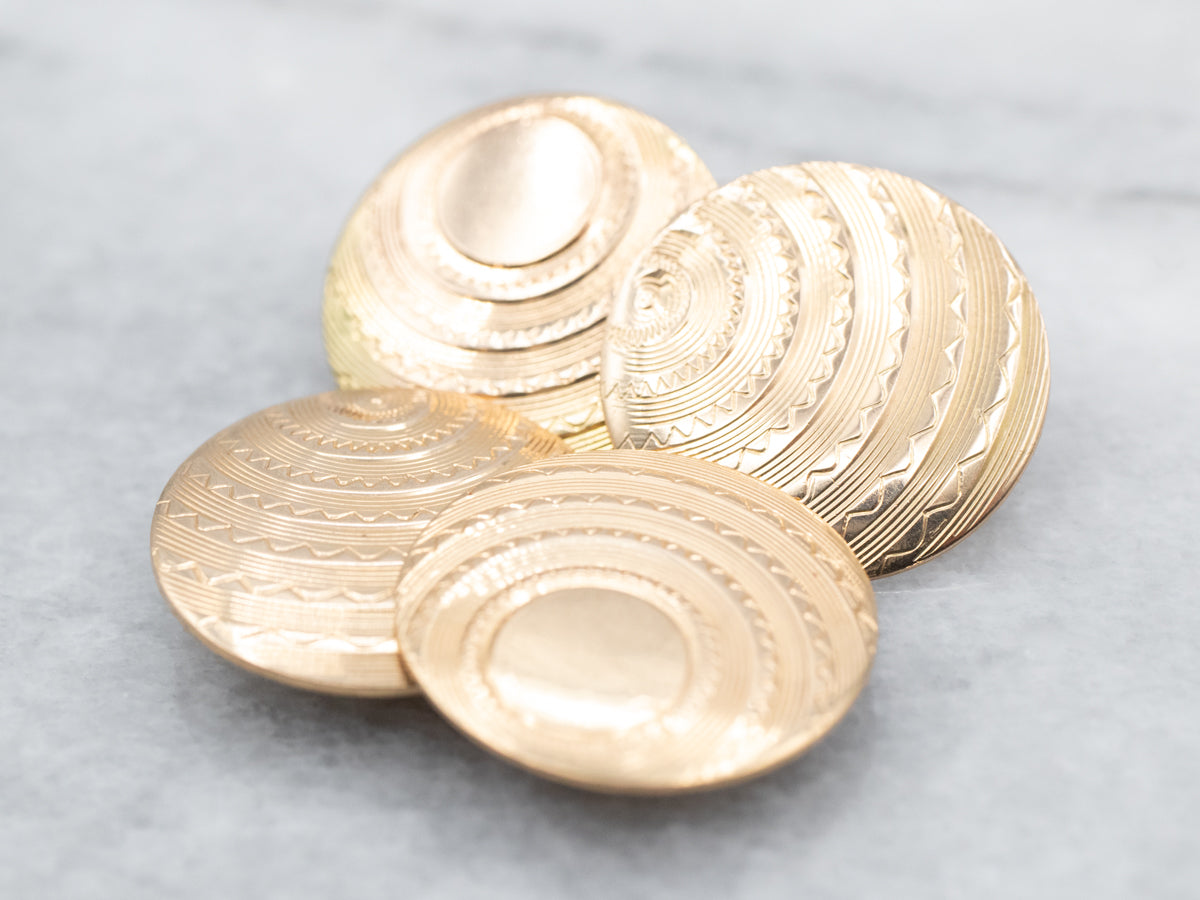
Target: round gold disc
<point x="484" y="260"/>
<point x="520" y="192"/>
<point x="279" y="541"/>
<point x="846" y="334"/>
<point x="637" y="622"/>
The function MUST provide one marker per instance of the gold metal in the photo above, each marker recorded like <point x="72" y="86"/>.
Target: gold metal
<point x="279" y="541"/>
<point x="484" y="260"/>
<point x="520" y="192"/>
<point x="846" y="334"/>
<point x="637" y="622"/>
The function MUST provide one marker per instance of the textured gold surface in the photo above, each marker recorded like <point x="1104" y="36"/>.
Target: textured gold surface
<point x="484" y="260"/>
<point x="637" y="622"/>
<point x="848" y="335"/>
<point x="279" y="541"/>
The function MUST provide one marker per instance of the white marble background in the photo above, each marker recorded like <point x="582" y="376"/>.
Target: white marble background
<point x="172" y="176"/>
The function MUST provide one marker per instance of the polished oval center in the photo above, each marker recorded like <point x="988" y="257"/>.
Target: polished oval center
<point x="519" y="192"/>
<point x="590" y="658"/>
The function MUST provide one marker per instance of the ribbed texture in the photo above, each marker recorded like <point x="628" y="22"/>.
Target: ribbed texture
<point x="777" y="615"/>
<point x="403" y="306"/>
<point x="280" y="541"/>
<point x="846" y="334"/>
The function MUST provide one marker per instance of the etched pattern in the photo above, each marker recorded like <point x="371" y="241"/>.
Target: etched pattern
<point x="279" y="541"/>
<point x="908" y="397"/>
<point x="777" y="616"/>
<point x="714" y="366"/>
<point x="404" y="306"/>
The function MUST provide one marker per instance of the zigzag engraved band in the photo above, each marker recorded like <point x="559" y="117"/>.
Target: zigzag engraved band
<point x="279" y="541"/>
<point x="907" y="398"/>
<point x="405" y="305"/>
<point x="637" y="622"/>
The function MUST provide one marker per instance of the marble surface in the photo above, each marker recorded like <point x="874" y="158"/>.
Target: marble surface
<point x="172" y="176"/>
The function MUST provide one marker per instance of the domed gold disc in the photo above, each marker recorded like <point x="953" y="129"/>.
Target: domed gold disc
<point x="846" y="334"/>
<point x="484" y="260"/>
<point x="637" y="622"/>
<point x="520" y="192"/>
<point x="279" y="541"/>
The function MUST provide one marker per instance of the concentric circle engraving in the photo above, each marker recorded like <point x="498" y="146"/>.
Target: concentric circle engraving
<point x="485" y="259"/>
<point x="279" y="541"/>
<point x="636" y="622"/>
<point x="846" y="334"/>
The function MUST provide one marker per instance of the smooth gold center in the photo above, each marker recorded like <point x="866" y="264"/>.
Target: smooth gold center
<point x="520" y="192"/>
<point x="589" y="658"/>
